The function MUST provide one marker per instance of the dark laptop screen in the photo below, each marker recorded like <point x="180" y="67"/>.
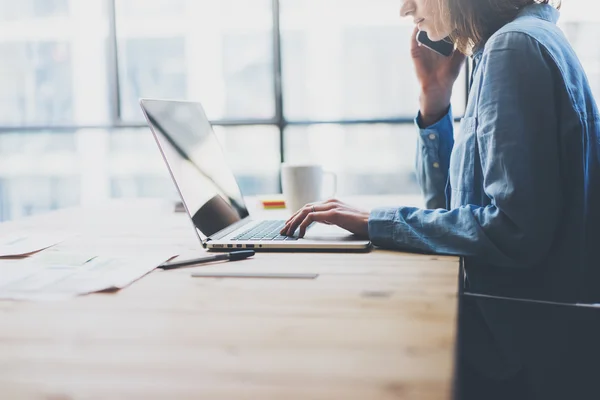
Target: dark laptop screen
<point x="193" y="154"/>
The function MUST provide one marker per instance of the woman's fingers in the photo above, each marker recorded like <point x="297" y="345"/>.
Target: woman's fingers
<point x="331" y="212"/>
<point x="293" y="223"/>
<point x="319" y="216"/>
<point x="288" y="223"/>
<point x="414" y="44"/>
<point x="297" y="212"/>
<point x="292" y="218"/>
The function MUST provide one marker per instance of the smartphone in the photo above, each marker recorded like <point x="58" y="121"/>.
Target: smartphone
<point x="443" y="47"/>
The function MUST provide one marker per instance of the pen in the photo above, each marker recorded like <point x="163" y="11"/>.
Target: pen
<point x="232" y="256"/>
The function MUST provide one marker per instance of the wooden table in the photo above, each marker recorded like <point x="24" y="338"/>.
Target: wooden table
<point x="372" y="326"/>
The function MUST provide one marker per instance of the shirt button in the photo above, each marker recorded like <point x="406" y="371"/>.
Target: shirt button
<point x="436" y="165"/>
<point x="432" y="136"/>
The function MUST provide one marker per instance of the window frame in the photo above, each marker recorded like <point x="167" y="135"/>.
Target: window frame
<point x="279" y="120"/>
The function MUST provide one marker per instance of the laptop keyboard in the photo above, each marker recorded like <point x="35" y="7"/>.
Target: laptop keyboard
<point x="265" y="231"/>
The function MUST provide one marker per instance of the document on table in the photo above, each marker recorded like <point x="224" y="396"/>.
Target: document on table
<point x="61" y="276"/>
<point x="24" y="244"/>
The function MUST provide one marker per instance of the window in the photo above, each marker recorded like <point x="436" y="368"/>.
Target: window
<point x="583" y="30"/>
<point x="216" y="52"/>
<point x="54" y="69"/>
<point x="367" y="158"/>
<point x="302" y="80"/>
<point x="348" y="60"/>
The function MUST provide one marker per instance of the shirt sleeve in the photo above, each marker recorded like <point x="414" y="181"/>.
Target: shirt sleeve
<point x="434" y="146"/>
<point x="517" y="135"/>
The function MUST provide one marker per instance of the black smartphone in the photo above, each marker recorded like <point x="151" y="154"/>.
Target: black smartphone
<point x="443" y="47"/>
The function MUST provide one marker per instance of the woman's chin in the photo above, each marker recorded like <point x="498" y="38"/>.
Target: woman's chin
<point x="436" y="37"/>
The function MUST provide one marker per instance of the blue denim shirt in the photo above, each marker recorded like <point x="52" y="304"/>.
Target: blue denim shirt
<point x="516" y="190"/>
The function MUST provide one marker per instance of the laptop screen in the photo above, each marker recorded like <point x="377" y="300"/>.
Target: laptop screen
<point x="196" y="162"/>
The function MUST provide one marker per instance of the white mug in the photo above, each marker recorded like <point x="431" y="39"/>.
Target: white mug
<point x="303" y="184"/>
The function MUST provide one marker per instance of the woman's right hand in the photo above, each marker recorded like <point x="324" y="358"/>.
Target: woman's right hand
<point x="437" y="75"/>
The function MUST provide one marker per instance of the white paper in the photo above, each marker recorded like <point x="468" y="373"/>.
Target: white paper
<point x="60" y="258"/>
<point x="23" y="244"/>
<point x="44" y="279"/>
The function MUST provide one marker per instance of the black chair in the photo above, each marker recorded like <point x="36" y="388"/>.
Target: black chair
<point x="558" y="345"/>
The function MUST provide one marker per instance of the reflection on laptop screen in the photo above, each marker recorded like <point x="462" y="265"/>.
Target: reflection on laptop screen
<point x="190" y="148"/>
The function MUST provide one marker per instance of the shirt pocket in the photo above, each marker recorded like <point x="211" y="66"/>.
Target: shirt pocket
<point x="462" y="159"/>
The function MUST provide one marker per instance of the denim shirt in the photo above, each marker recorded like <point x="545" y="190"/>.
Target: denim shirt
<point x="516" y="191"/>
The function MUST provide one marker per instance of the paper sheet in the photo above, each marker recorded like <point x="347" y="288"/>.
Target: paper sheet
<point x="24" y="244"/>
<point x="51" y="278"/>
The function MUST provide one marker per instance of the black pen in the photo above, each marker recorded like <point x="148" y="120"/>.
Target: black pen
<point x="232" y="256"/>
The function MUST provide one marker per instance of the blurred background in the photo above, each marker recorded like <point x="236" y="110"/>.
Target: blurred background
<point x="326" y="81"/>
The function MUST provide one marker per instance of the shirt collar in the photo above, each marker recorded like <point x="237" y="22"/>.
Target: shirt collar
<point x="542" y="11"/>
<point x="545" y="12"/>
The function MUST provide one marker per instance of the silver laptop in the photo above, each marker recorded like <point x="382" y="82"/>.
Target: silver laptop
<point x="211" y="195"/>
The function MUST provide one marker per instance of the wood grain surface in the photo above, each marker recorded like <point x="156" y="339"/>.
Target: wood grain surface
<point x="380" y="325"/>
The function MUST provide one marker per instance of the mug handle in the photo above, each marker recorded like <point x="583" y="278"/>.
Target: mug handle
<point x="333" y="175"/>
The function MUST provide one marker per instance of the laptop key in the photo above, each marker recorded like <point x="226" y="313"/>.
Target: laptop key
<point x="267" y="230"/>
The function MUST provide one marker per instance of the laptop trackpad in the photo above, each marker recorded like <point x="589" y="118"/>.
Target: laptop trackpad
<point x="322" y="232"/>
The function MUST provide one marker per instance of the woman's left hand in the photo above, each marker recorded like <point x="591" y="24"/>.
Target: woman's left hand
<point x="332" y="212"/>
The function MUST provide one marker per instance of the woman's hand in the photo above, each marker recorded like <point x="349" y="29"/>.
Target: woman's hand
<point x="331" y="212"/>
<point x="437" y="75"/>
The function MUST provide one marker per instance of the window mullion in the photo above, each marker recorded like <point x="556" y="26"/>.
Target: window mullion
<point x="113" y="65"/>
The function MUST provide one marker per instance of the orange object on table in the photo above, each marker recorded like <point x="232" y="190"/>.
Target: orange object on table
<point x="272" y="203"/>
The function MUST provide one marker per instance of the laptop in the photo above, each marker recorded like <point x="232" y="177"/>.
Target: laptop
<point x="211" y="195"/>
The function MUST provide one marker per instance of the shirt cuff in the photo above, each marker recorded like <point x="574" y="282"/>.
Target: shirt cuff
<point x="442" y="123"/>
<point x="439" y="137"/>
<point x="382" y="225"/>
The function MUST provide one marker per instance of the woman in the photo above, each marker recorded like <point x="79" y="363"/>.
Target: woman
<point x="516" y="190"/>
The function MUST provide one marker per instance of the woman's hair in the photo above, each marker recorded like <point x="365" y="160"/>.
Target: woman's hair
<point x="474" y="21"/>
